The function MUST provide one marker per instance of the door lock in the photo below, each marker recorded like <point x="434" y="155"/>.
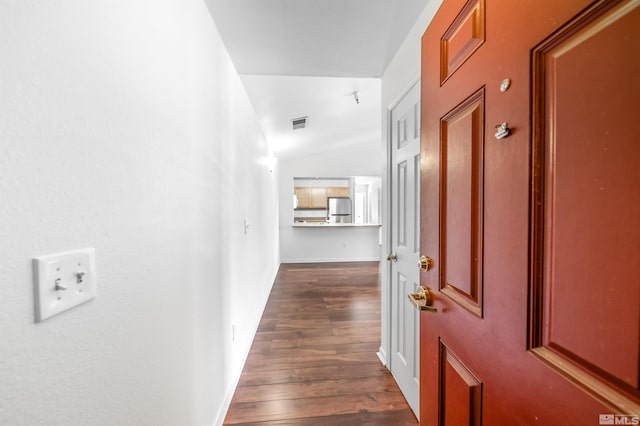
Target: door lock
<point x="393" y="257"/>
<point x="425" y="263"/>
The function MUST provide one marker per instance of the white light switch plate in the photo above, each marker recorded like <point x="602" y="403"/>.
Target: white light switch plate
<point x="63" y="280"/>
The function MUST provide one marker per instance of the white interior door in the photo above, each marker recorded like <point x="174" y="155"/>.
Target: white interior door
<point x="405" y="240"/>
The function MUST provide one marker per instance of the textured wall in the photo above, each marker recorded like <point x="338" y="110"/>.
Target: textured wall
<point x="124" y="127"/>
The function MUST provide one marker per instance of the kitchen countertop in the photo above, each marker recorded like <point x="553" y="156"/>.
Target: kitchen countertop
<point x="333" y="225"/>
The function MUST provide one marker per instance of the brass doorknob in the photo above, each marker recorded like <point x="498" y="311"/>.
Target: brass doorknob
<point x="423" y="299"/>
<point x="393" y="257"/>
<point x="425" y="263"/>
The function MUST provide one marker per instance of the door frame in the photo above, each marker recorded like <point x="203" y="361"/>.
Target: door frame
<point x="387" y="230"/>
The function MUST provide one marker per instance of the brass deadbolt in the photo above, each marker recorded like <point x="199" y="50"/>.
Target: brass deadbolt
<point x="425" y="263"/>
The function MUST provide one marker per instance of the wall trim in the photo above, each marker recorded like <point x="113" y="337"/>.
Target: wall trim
<point x="226" y="403"/>
<point x="415" y="78"/>
<point x="333" y="260"/>
<point x="382" y="356"/>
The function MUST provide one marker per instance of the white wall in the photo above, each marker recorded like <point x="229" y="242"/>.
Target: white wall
<point x="328" y="244"/>
<point x="400" y="75"/>
<point x="124" y="127"/>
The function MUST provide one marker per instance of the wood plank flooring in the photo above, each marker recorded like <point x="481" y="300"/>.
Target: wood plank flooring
<point x="313" y="360"/>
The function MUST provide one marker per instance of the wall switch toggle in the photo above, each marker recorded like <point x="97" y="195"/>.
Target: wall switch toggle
<point x="62" y="281"/>
<point x="59" y="285"/>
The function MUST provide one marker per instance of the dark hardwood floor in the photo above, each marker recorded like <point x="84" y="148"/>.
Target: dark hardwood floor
<point x="313" y="360"/>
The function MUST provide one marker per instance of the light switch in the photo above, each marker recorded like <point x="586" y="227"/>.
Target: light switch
<point x="63" y="280"/>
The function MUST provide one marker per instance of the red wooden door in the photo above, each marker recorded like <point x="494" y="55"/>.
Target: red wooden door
<point x="535" y="237"/>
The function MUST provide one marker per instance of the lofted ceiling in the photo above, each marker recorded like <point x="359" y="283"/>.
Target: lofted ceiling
<point x="306" y="58"/>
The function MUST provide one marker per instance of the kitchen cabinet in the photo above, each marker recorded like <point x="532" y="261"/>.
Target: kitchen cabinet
<point x="316" y="197"/>
<point x="304" y="197"/>
<point x="337" y="192"/>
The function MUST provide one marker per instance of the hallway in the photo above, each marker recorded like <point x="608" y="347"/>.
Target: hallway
<point x="313" y="360"/>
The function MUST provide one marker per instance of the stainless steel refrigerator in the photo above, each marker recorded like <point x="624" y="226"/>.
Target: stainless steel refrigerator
<point x="339" y="210"/>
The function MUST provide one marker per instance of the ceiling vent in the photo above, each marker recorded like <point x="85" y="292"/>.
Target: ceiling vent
<point x="299" y="123"/>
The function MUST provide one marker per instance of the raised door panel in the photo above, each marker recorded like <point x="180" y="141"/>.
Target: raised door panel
<point x="465" y="35"/>
<point x="587" y="229"/>
<point x="460" y="401"/>
<point x="401" y="207"/>
<point x="461" y="201"/>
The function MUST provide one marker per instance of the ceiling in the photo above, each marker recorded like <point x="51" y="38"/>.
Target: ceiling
<point x="306" y="58"/>
<point x="334" y="120"/>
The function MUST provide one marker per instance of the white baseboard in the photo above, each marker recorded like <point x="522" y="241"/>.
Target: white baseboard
<point x="382" y="356"/>
<point x="224" y="408"/>
<point x="332" y="260"/>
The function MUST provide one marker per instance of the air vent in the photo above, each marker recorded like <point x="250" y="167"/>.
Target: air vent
<point x="299" y="123"/>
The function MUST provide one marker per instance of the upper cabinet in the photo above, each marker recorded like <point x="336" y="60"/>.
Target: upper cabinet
<point x="316" y="197"/>
<point x="338" y="192"/>
<point x="302" y="197"/>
